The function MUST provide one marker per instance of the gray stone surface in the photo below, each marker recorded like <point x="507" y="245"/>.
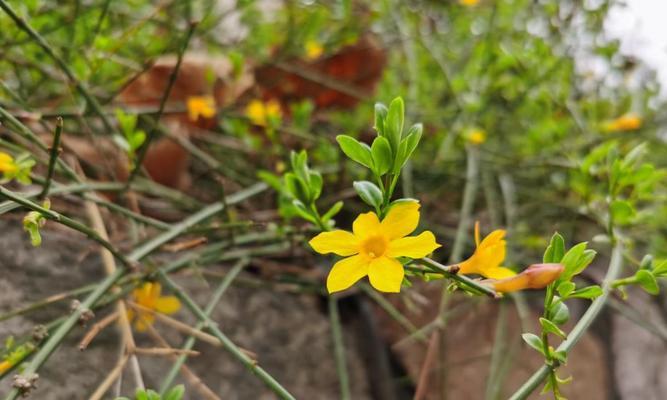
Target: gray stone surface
<point x="289" y="333"/>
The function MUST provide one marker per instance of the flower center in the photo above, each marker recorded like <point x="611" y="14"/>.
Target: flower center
<point x="374" y="246"/>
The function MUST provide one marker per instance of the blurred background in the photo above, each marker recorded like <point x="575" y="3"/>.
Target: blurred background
<point x="523" y="103"/>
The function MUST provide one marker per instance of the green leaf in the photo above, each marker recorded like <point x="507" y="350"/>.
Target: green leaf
<point x="622" y="212"/>
<point x="332" y="211"/>
<point x="571" y="261"/>
<point x="176" y="393"/>
<point x="584" y="261"/>
<point x="369" y="193"/>
<point x="355" y="150"/>
<point x="550" y="327"/>
<point x="380" y="117"/>
<point x="393" y="128"/>
<point x="559" y="313"/>
<point x="589" y="292"/>
<point x="136" y="140"/>
<point x="555" y="250"/>
<point x="565" y="288"/>
<point x="299" y="163"/>
<point x="660" y="269"/>
<point x="296" y="188"/>
<point x="382" y="155"/>
<point x="561" y="356"/>
<point x="316" y="183"/>
<point x="647" y="281"/>
<point x="408" y="146"/>
<point x="303" y="211"/>
<point x="533" y="341"/>
<point x="271" y="179"/>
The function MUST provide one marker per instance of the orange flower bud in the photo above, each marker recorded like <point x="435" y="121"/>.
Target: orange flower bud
<point x="536" y="276"/>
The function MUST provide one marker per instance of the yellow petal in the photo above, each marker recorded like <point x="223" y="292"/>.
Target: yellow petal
<point x="143" y="321"/>
<point x="338" y="242"/>
<point x="346" y="273"/>
<point x="401" y="220"/>
<point x="155" y="290"/>
<point x="366" y="225"/>
<point x="7" y="163"/>
<point x="492" y="238"/>
<point x="413" y="246"/>
<point x="386" y="274"/>
<point x="167" y="304"/>
<point x="498" y="273"/>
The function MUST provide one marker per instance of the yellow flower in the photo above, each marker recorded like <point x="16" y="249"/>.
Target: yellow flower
<point x="4" y="366"/>
<point x="476" y="136"/>
<point x="537" y="276"/>
<point x="313" y="50"/>
<point x="488" y="256"/>
<point x="7" y="163"/>
<point x="260" y="113"/>
<point x="469" y="3"/>
<point x="372" y="248"/>
<point x="203" y="106"/>
<point x="148" y="296"/>
<point x="627" y="122"/>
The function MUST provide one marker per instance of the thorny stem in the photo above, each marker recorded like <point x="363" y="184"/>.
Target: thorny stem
<point x="227" y="344"/>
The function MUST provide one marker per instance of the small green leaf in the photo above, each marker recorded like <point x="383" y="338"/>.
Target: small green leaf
<point x="559" y="313"/>
<point x="296" y="188"/>
<point x="565" y="288"/>
<point x="303" y="211"/>
<point x="355" y="150"/>
<point x="332" y="211"/>
<point x="408" y="146"/>
<point x="271" y="179"/>
<point x="571" y="260"/>
<point x="561" y="356"/>
<point x="533" y="341"/>
<point x="175" y="393"/>
<point x="647" y="281"/>
<point x="622" y="212"/>
<point x="369" y="193"/>
<point x="380" y="117"/>
<point x="660" y="268"/>
<point x="393" y="128"/>
<point x="584" y="261"/>
<point x="555" y="250"/>
<point x="551" y="327"/>
<point x="382" y="155"/>
<point x="589" y="292"/>
<point x="316" y="183"/>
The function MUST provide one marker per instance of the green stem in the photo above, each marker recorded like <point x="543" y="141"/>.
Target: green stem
<point x="190" y="341"/>
<point x="469" y="194"/>
<point x="615" y="266"/>
<point x="136" y="255"/>
<point x="22" y="24"/>
<point x="339" y="349"/>
<point x="55" y="149"/>
<point x="448" y="272"/>
<point x="163" y="102"/>
<point x="227" y="344"/>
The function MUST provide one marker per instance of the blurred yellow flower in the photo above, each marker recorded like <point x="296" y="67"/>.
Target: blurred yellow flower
<point x="260" y="113"/>
<point x="373" y="247"/>
<point x="148" y="296"/>
<point x="203" y="106"/>
<point x="627" y="122"/>
<point x="4" y="366"/>
<point x="469" y="3"/>
<point x="537" y="276"/>
<point x="313" y="50"/>
<point x="7" y="163"/>
<point x="476" y="136"/>
<point x="488" y="256"/>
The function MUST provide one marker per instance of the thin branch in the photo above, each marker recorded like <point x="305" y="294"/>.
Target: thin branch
<point x="55" y="150"/>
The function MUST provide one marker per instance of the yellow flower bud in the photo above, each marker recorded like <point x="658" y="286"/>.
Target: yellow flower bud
<point x="536" y="276"/>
